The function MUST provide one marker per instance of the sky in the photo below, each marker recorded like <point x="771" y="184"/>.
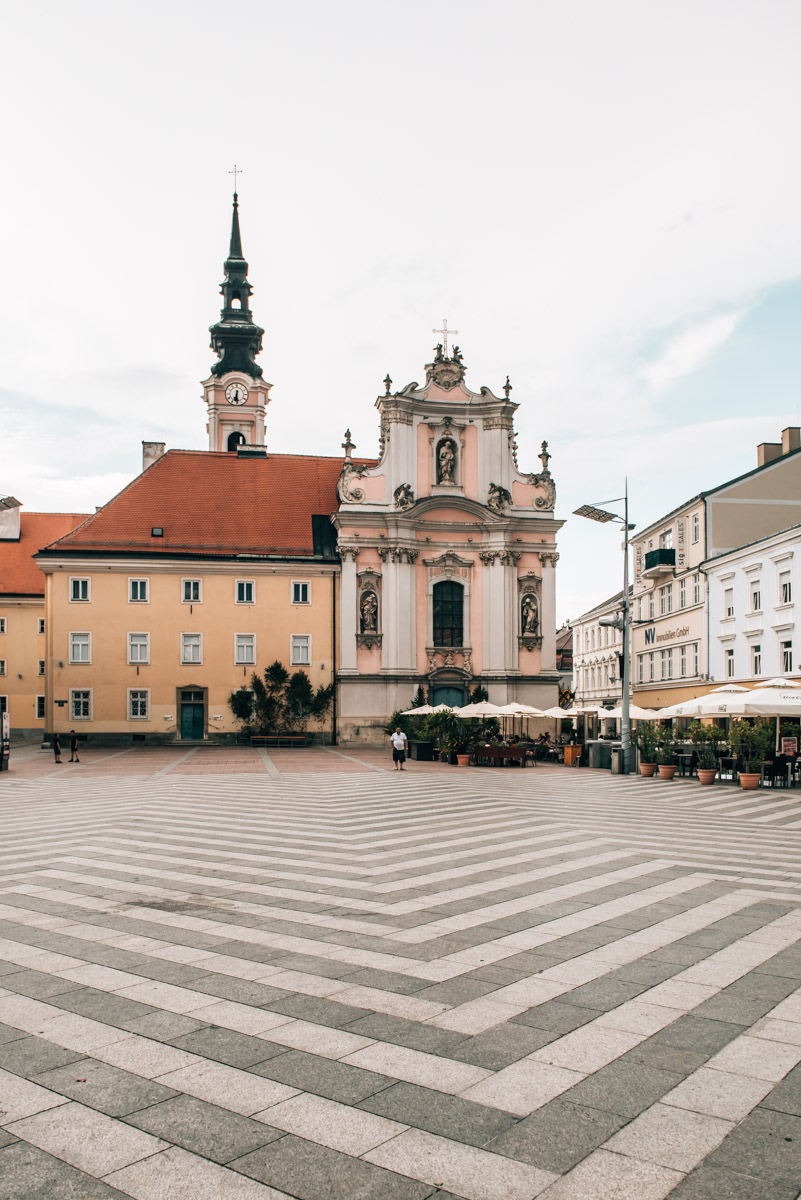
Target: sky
<point x="602" y="196"/>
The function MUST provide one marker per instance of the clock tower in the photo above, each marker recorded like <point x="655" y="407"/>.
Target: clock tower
<point x="235" y="393"/>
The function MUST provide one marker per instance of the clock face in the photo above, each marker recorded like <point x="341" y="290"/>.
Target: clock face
<point x="236" y="393"/>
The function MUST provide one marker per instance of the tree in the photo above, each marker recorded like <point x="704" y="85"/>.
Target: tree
<point x="278" y="702"/>
<point x="478" y="695"/>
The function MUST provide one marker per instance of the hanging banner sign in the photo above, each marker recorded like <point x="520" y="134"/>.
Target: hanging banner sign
<point x="681" y="544"/>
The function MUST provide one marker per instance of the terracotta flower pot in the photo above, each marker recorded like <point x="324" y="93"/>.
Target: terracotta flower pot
<point x="666" y="772"/>
<point x="707" y="774"/>
<point x="749" y="780"/>
<point x="647" y="769"/>
<point x="463" y="760"/>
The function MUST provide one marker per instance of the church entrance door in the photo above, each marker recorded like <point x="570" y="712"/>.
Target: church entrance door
<point x="453" y="696"/>
<point x="192" y="713"/>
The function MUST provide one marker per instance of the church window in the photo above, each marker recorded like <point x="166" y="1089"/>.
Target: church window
<point x="300" y="592"/>
<point x="191" y="591"/>
<point x="138" y="591"/>
<point x="80" y="590"/>
<point x="245" y="648"/>
<point x="448" y="605"/>
<point x="301" y="649"/>
<point x="245" y="589"/>
<point x="138" y="704"/>
<point x="235" y="439"/>
<point x="191" y="647"/>
<point x="80" y="704"/>
<point x="138" y="647"/>
<point x="80" y="647"/>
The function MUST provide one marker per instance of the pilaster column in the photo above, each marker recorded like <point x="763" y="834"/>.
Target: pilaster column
<point x="549" y="560"/>
<point x="347" y="611"/>
<point x="494" y="611"/>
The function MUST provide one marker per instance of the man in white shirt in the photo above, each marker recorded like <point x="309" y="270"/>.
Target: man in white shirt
<point x="398" y="739"/>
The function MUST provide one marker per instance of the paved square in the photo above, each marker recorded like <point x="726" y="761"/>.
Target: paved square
<point x="241" y="974"/>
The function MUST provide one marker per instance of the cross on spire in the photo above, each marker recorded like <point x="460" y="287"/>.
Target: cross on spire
<point x="446" y="333"/>
<point x="235" y="170"/>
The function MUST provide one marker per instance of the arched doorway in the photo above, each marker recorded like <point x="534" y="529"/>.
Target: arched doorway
<point x="448" y="694"/>
<point x="235" y="439"/>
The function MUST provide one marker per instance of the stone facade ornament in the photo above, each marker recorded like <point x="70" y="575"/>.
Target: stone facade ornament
<point x="499" y="498"/>
<point x="368" y="610"/>
<point x="530" y="637"/>
<point x="488" y="557"/>
<point x="347" y="493"/>
<point x="545" y="481"/>
<point x="348" y="553"/>
<point x="446" y="461"/>
<point x="404" y="497"/>
<point x="529" y="616"/>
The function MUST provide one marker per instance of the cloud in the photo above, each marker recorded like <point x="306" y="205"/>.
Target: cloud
<point x="687" y="351"/>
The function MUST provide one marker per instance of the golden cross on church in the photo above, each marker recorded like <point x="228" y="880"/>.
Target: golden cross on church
<point x="446" y="333"/>
<point x="235" y="170"/>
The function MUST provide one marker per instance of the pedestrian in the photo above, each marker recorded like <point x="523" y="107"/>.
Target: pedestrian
<point x="56" y="748"/>
<point x="74" y="746"/>
<point x="399" y="749"/>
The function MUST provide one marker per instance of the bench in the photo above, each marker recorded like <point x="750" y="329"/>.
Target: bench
<point x="278" y="740"/>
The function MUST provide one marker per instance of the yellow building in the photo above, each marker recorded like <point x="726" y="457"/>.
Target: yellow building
<point x="208" y="566"/>
<point x="22" y="611"/>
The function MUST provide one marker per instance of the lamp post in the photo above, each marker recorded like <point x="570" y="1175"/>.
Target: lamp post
<point x="621" y="620"/>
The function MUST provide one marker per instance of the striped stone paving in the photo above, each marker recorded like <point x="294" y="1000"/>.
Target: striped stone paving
<point x="238" y="974"/>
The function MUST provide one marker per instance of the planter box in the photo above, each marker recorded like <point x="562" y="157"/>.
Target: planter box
<point x="422" y="751"/>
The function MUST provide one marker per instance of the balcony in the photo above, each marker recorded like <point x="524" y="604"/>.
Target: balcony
<point x="659" y="562"/>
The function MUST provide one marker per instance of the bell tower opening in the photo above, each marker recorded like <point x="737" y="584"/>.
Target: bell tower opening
<point x="235" y="439"/>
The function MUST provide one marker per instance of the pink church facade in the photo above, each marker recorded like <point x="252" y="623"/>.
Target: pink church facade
<point x="448" y="557"/>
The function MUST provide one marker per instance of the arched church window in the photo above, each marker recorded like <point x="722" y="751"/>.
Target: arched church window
<point x="448" y="613"/>
<point x="236" y="300"/>
<point x="235" y="439"/>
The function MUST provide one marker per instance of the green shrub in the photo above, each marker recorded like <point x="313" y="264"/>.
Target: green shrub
<point x="752" y="741"/>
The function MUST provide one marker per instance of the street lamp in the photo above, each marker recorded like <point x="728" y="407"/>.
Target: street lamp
<point x="621" y="620"/>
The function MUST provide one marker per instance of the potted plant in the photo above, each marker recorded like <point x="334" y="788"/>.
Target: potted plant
<point x="751" y="743"/>
<point x="704" y="739"/>
<point x="645" y="741"/>
<point x="463" y="755"/>
<point x="667" y="755"/>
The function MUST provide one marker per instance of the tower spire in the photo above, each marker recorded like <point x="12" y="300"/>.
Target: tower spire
<point x="235" y="337"/>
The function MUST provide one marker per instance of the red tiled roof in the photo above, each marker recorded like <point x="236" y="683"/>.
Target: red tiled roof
<point x="19" y="574"/>
<point x="212" y="503"/>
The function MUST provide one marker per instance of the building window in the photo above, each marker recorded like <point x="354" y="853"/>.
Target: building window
<point x="728" y="602"/>
<point x="244" y="591"/>
<point x="683" y="662"/>
<point x="667" y="663"/>
<point x="80" y="590"/>
<point x="756" y="597"/>
<point x="729" y="661"/>
<point x="683" y="593"/>
<point x="447" y="608"/>
<point x="650" y="606"/>
<point x="3" y="625"/>
<point x="641" y="668"/>
<point x="592" y="638"/>
<point x="191" y="647"/>
<point x="138" y="647"/>
<point x="80" y="647"/>
<point x="138" y="704"/>
<point x="138" y="591"/>
<point x="80" y="705"/>
<point x="666" y="539"/>
<point x="787" y="656"/>
<point x="41" y="625"/>
<point x="785" y="588"/>
<point x="666" y="599"/>
<point x="40" y="708"/>
<point x="300" y="592"/>
<point x="639" y="608"/>
<point x="696" y="528"/>
<point x="190" y="590"/>
<point x="41" y="663"/>
<point x="695" y="658"/>
<point x="756" y="660"/>
<point x="651" y="668"/>
<point x="3" y="705"/>
<point x="2" y="666"/>
<point x="696" y="589"/>
<point x="301" y="649"/>
<point x="245" y="648"/>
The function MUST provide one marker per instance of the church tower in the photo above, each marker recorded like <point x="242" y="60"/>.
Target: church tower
<point x="235" y="393"/>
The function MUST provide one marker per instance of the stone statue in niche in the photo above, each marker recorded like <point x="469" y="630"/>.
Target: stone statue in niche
<point x="528" y="613"/>
<point x="446" y="461"/>
<point x="368" y="608"/>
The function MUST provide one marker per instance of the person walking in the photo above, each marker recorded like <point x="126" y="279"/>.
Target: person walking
<point x="74" y="746"/>
<point x="399" y="748"/>
<point x="56" y="748"/>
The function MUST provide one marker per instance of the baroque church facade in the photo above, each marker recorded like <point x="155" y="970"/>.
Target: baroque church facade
<point x="431" y="565"/>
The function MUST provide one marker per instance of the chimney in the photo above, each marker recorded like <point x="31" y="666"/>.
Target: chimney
<point x="768" y="452"/>
<point x="9" y="519"/>
<point x="791" y="439"/>
<point x="152" y="452"/>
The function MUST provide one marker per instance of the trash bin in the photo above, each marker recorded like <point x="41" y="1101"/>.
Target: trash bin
<point x="617" y="760"/>
<point x="422" y="751"/>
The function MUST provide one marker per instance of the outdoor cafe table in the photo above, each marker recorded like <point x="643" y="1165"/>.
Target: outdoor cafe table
<point x="499" y="756"/>
<point x="685" y="762"/>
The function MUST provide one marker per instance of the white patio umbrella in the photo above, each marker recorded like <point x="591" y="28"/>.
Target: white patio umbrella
<point x="425" y="710"/>
<point x="482" y="709"/>
<point x="731" y="700"/>
<point x="519" y="710"/>
<point x="635" y="712"/>
<point x="778" y="683"/>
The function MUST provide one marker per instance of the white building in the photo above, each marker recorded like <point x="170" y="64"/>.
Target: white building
<point x="597" y="651"/>
<point x="752" y="594"/>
